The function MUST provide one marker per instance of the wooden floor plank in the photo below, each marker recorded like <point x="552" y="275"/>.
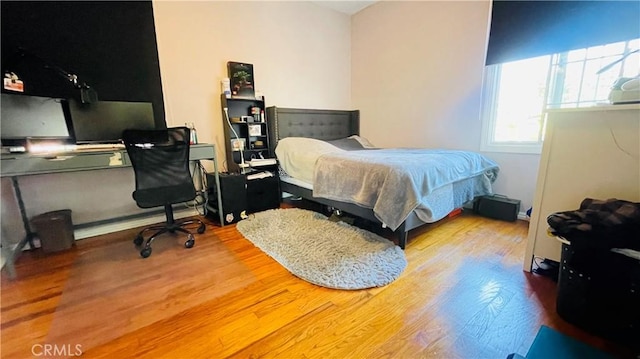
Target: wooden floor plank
<point x="462" y="295"/>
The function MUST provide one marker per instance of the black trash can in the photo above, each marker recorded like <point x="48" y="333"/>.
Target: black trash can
<point x="55" y="230"/>
<point x="599" y="291"/>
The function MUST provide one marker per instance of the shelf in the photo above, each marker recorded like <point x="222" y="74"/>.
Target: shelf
<point x="237" y="108"/>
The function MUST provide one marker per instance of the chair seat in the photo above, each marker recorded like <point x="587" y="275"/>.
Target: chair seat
<point x="160" y="196"/>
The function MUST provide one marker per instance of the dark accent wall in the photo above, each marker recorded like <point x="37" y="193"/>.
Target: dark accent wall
<point x="110" y="45"/>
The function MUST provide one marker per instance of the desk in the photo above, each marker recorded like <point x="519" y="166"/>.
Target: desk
<point x="23" y="164"/>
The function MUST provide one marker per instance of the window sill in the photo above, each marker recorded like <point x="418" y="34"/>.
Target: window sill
<point x="533" y="149"/>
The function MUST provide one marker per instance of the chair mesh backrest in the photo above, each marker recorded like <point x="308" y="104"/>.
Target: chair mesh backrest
<point x="160" y="160"/>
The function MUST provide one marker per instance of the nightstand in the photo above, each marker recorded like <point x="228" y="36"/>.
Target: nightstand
<point x="263" y="188"/>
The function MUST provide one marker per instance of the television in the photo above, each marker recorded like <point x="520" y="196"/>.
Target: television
<point x="104" y="121"/>
<point x="27" y="118"/>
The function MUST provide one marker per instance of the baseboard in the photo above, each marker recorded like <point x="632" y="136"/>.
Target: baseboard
<point x="89" y="230"/>
<point x="101" y="229"/>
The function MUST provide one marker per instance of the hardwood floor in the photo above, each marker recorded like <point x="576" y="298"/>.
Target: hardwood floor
<point x="463" y="295"/>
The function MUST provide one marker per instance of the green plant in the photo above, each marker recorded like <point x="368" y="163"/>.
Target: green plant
<point x="243" y="76"/>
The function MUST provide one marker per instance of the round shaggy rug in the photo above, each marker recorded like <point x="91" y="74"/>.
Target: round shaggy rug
<point x="330" y="254"/>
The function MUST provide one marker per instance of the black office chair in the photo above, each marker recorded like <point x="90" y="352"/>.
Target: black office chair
<point x="160" y="160"/>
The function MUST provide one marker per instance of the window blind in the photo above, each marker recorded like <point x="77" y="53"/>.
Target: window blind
<point x="525" y="29"/>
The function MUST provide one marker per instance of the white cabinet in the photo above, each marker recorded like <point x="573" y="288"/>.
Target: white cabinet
<point x="587" y="153"/>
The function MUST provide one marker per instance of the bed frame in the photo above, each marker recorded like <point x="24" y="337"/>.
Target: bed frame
<point x="325" y="125"/>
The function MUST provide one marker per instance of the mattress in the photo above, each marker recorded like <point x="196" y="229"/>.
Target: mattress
<point x="392" y="182"/>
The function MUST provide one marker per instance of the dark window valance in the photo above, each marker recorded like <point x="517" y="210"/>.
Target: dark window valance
<point x="524" y="29"/>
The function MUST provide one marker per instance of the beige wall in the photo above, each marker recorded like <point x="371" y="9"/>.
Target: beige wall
<point x="417" y="71"/>
<point x="300" y="53"/>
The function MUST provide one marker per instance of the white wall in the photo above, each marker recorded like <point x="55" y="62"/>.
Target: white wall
<point x="417" y="71"/>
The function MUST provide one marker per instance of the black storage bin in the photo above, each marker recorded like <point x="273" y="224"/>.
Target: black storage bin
<point x="497" y="207"/>
<point x="599" y="291"/>
<point x="263" y="194"/>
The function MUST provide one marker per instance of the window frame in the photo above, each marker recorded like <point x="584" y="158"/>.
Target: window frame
<point x="488" y="118"/>
<point x="554" y="86"/>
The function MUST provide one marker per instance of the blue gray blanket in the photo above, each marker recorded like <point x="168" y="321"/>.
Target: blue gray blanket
<point x="394" y="182"/>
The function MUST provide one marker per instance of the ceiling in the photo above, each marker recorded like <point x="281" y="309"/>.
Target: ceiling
<point x="347" y="7"/>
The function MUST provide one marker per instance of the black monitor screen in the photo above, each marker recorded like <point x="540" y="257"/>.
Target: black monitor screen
<point x="104" y="121"/>
<point x="24" y="117"/>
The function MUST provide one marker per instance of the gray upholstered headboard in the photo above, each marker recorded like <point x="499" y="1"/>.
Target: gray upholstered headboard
<point x="319" y="124"/>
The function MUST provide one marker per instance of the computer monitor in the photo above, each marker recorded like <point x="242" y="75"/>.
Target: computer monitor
<point x="33" y="118"/>
<point x="104" y="121"/>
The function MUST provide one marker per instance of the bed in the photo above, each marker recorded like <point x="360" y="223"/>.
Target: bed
<point x="324" y="160"/>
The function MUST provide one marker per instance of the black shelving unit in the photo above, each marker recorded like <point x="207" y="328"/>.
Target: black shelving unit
<point x="251" y="129"/>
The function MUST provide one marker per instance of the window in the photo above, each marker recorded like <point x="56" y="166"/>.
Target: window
<point x="517" y="94"/>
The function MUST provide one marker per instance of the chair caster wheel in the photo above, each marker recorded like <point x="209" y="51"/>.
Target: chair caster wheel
<point x="201" y="228"/>
<point x="145" y="252"/>
<point x="138" y="240"/>
<point x="189" y="243"/>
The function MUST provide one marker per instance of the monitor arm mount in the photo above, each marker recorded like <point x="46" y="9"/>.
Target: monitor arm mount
<point x="87" y="94"/>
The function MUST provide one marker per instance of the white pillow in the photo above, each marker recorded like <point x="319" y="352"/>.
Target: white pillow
<point x="363" y="141"/>
<point x="298" y="155"/>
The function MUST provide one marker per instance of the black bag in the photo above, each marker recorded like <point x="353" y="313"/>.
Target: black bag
<point x="602" y="224"/>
